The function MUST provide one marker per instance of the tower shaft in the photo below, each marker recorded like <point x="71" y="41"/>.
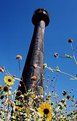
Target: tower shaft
<point x="32" y="75"/>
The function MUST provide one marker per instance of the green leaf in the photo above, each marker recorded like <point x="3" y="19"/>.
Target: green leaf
<point x="44" y="65"/>
<point x="57" y="69"/>
<point x="68" y="56"/>
<point x="51" y="70"/>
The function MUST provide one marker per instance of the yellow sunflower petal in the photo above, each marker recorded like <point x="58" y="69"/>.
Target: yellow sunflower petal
<point x="45" y="110"/>
<point x="40" y="111"/>
<point x="8" y="80"/>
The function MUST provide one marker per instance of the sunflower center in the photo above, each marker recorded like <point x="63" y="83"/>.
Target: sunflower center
<point x="46" y="111"/>
<point x="9" y="80"/>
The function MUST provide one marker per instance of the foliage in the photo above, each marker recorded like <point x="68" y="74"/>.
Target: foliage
<point x="15" y="106"/>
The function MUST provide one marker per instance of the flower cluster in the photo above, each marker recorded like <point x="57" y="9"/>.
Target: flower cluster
<point x="16" y="106"/>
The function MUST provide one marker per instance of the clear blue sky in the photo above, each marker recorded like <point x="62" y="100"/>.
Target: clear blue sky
<point x="16" y="31"/>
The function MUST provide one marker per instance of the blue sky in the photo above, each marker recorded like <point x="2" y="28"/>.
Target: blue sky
<point x="16" y="31"/>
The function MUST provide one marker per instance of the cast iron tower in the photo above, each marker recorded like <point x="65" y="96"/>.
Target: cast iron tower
<point x="32" y="75"/>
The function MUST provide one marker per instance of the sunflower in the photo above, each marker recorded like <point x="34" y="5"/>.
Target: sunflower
<point x="34" y="78"/>
<point x="19" y="57"/>
<point x="6" y="88"/>
<point x="45" y="110"/>
<point x="2" y="69"/>
<point x="18" y="93"/>
<point x="9" y="80"/>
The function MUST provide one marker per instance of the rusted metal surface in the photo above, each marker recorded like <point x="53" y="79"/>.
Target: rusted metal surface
<point x="32" y="75"/>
